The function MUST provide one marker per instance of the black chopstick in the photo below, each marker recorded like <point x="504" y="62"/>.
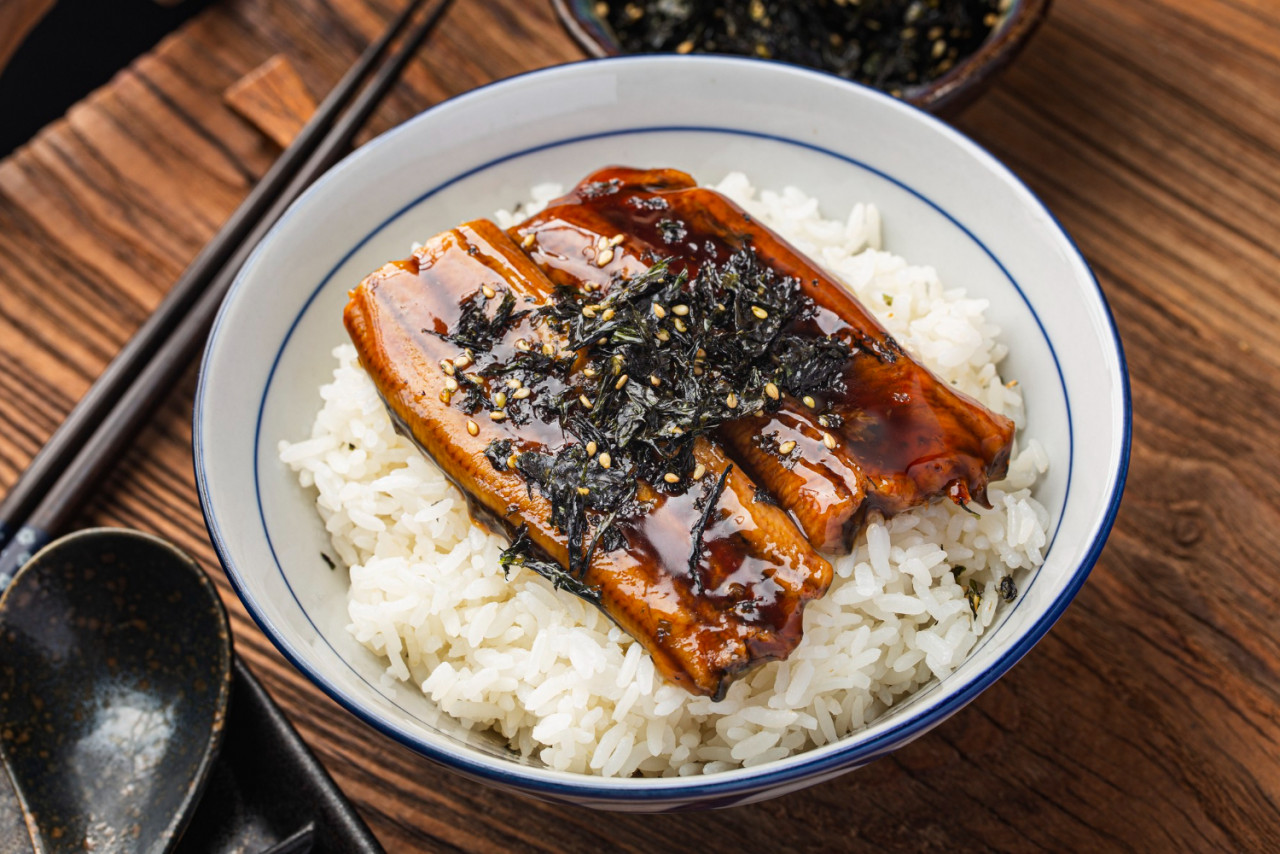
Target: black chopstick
<point x="103" y="446"/>
<point x="54" y="457"/>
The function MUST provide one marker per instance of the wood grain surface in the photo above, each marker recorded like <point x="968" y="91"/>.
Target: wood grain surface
<point x="272" y="98"/>
<point x="1148" y="719"/>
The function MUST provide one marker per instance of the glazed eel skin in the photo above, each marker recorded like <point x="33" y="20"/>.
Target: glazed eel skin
<point x="902" y="437"/>
<point x="739" y="604"/>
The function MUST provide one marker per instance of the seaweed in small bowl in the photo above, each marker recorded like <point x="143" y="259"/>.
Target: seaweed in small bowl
<point x="938" y="56"/>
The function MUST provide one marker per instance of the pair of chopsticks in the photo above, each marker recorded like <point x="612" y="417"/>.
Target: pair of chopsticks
<point x="109" y="416"/>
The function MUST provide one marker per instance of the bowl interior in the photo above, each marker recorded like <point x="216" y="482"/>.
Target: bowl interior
<point x="943" y="201"/>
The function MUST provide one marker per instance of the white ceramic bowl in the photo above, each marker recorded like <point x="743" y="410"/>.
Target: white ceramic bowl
<point x="945" y="202"/>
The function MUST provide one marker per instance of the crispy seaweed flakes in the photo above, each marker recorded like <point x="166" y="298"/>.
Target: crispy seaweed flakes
<point x="889" y="44"/>
<point x="523" y="553"/>
<point x="643" y="372"/>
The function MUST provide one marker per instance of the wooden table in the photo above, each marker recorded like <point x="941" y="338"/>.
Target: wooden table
<point x="1148" y="719"/>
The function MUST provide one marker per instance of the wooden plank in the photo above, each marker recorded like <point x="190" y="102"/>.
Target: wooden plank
<point x="273" y="99"/>
<point x="1146" y="720"/>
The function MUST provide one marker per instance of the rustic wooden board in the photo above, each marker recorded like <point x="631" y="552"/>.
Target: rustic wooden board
<point x="1148" y="719"/>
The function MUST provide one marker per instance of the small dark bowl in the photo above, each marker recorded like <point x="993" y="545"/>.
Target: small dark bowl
<point x="946" y="96"/>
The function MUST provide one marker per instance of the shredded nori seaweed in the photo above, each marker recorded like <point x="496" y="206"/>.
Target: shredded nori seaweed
<point x="522" y="552"/>
<point x="708" y="504"/>
<point x="974" y="594"/>
<point x="660" y="360"/>
<point x="892" y="45"/>
<point x="476" y="329"/>
<point x="1007" y="589"/>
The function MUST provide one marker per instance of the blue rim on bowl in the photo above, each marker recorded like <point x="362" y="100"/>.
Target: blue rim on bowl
<point x="727" y="787"/>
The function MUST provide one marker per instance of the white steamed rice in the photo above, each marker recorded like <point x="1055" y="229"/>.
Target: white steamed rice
<point x="558" y="680"/>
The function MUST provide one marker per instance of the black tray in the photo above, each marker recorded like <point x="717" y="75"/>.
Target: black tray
<point x="268" y="792"/>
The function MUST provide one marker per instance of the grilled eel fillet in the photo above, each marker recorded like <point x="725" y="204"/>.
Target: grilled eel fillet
<point x="905" y="437"/>
<point x="741" y="605"/>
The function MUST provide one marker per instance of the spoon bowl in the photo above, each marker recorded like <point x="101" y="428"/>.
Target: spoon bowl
<point x="115" y="676"/>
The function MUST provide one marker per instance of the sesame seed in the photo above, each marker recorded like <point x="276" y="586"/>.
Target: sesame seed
<point x="548" y="350"/>
<point x="607" y="314"/>
<point x="589" y="372"/>
<point x="616" y="239"/>
<point x="701" y="354"/>
<point x="698" y="471"/>
<point x="528" y="241"/>
<point x="676" y="431"/>
<point x="446" y="366"/>
<point x="659" y="311"/>
<point x="604" y="257"/>
<point x="622" y="380"/>
<point x="697" y="371"/>
<point x="771" y="390"/>
<point x="731" y="401"/>
<point x="601" y="341"/>
<point x="787" y="447"/>
<point x="451" y="384"/>
<point x="591" y="449"/>
<point x="589" y="311"/>
<point x="473" y="428"/>
<point x="522" y="344"/>
<point x="500" y="399"/>
<point x="582" y="490"/>
<point x="590" y="286"/>
<point x="663" y="335"/>
<point x="582" y="398"/>
<point x="809" y="401"/>
<point x="489" y="293"/>
<point x="671" y="477"/>
<point x="680" y="310"/>
<point x="514" y="383"/>
<point x="521" y="393"/>
<point x="475" y="378"/>
<point x="446" y="396"/>
<point x="605" y="460"/>
<point x="680" y="327"/>
<point x="759" y="312"/>
<point x="497" y="415"/>
<point x="685" y="46"/>
<point x="462" y="361"/>
<point x="829" y="441"/>
<point x="654" y="381"/>
<point x="512" y="460"/>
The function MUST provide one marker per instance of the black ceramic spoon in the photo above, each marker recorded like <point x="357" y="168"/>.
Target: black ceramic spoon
<point x="115" y="676"/>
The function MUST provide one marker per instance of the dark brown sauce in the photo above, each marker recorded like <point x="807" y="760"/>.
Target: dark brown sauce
<point x="707" y="607"/>
<point x="914" y="438"/>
